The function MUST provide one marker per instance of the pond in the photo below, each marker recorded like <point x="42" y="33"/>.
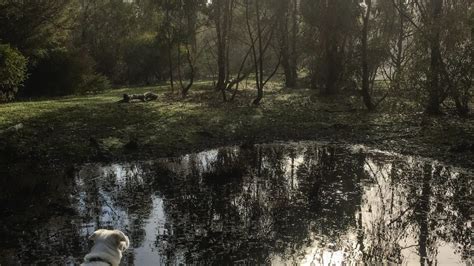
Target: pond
<point x="304" y="203"/>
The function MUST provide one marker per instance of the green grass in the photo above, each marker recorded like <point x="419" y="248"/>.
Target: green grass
<point x="64" y="129"/>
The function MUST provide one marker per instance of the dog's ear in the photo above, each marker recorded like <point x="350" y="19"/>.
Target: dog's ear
<point x="95" y="234"/>
<point x="121" y="239"/>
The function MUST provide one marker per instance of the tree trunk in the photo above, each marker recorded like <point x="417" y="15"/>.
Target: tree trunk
<point x="170" y="50"/>
<point x="185" y="89"/>
<point x="293" y="44"/>
<point x="221" y="48"/>
<point x="331" y="71"/>
<point x="170" y="65"/>
<point x="331" y="42"/>
<point x="434" y="91"/>
<point x="222" y="19"/>
<point x="365" y="61"/>
<point x="399" y="59"/>
<point x="287" y="13"/>
<point x="260" y="57"/>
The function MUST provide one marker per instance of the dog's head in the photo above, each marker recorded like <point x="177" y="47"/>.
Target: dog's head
<point x="114" y="238"/>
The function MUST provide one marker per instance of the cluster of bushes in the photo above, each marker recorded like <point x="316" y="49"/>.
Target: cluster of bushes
<point x="63" y="72"/>
<point x="58" y="73"/>
<point x="13" y="72"/>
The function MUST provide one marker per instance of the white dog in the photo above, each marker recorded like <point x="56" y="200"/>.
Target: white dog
<point x="107" y="249"/>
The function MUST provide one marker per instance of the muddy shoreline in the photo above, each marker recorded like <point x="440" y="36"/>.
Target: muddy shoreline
<point x="457" y="154"/>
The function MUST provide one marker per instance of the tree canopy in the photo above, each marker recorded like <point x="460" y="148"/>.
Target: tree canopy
<point x="374" y="48"/>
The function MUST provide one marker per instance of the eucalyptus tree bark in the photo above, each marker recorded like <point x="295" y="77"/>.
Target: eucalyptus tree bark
<point x="365" y="60"/>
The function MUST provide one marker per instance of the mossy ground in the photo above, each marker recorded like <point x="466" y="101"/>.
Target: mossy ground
<point x="89" y="128"/>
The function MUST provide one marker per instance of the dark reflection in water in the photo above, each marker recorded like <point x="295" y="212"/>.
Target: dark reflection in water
<point x="306" y="203"/>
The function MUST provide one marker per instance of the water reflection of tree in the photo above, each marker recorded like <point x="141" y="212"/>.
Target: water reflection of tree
<point x="329" y="185"/>
<point x="440" y="210"/>
<point x="418" y="206"/>
<point x="134" y="195"/>
<point x="253" y="203"/>
<point x="35" y="210"/>
<point x="383" y="214"/>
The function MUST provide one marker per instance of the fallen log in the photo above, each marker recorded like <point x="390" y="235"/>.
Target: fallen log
<point x="146" y="97"/>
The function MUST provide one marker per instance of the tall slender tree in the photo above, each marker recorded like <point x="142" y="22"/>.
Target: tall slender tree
<point x="288" y="33"/>
<point x="222" y="14"/>
<point x="365" y="56"/>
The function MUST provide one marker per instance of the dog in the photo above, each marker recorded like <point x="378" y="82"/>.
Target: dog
<point x="107" y="249"/>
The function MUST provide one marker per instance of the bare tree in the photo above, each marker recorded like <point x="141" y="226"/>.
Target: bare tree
<point x="188" y="26"/>
<point x="262" y="36"/>
<point x="374" y="42"/>
<point x="400" y="43"/>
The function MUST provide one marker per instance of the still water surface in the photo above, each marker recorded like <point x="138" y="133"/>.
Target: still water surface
<point x="281" y="204"/>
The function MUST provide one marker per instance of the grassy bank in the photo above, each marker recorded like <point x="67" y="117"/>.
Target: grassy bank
<point x="97" y="128"/>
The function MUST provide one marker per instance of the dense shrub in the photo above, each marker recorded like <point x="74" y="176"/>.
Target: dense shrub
<point x="146" y="61"/>
<point x="64" y="73"/>
<point x="93" y="83"/>
<point x="13" y="72"/>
